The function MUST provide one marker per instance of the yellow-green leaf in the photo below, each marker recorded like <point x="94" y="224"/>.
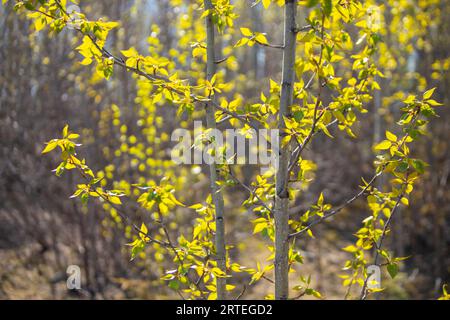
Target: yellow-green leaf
<point x="259" y="227"/>
<point x="390" y="136"/>
<point x="427" y="94"/>
<point x="383" y="145"/>
<point x="260" y="38"/>
<point x="114" y="200"/>
<point x="50" y="146"/>
<point x="246" y="32"/>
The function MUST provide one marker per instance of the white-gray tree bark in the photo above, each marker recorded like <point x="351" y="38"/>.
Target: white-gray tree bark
<point x="282" y="193"/>
<point x="215" y="189"/>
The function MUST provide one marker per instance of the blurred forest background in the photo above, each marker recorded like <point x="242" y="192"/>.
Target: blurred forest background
<point x="43" y="87"/>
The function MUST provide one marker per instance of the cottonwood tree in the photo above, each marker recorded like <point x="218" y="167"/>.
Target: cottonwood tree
<point x="329" y="71"/>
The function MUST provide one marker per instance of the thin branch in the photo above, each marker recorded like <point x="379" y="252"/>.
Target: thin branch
<point x="364" y="290"/>
<point x="242" y="292"/>
<point x="154" y="78"/>
<point x="299" y="295"/>
<point x="316" y="106"/>
<point x="250" y="190"/>
<point x="338" y="209"/>
<point x="222" y="60"/>
<point x="125" y="216"/>
<point x="169" y="242"/>
<point x="268" y="45"/>
<point x="267" y="279"/>
<point x="304" y="28"/>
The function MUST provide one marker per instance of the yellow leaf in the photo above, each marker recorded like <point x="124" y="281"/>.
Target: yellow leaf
<point x="427" y="94"/>
<point x="163" y="208"/>
<point x="205" y="14"/>
<point x="50" y="146"/>
<point x="197" y="52"/>
<point x="325" y="130"/>
<point x="259" y="227"/>
<point x="383" y="145"/>
<point x="266" y="3"/>
<point x="434" y="103"/>
<point x="218" y="273"/>
<point x="392" y="137"/>
<point x="246" y="32"/>
<point x="144" y="229"/>
<point x="39" y="24"/>
<point x="130" y="52"/>
<point x="73" y="136"/>
<point x="86" y="61"/>
<point x="260" y="38"/>
<point x="212" y="296"/>
<point x="350" y="248"/>
<point x="241" y="42"/>
<point x="114" y="200"/>
<point x="65" y="131"/>
<point x="405" y="201"/>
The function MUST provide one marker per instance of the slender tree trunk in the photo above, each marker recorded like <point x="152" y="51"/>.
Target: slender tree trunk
<point x="215" y="189"/>
<point x="282" y="194"/>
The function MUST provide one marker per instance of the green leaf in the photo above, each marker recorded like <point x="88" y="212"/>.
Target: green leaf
<point x="403" y="166"/>
<point x="327" y="7"/>
<point x="298" y="115"/>
<point x="419" y="165"/>
<point x="137" y="246"/>
<point x="392" y="269"/>
<point x="174" y="284"/>
<point x="311" y="3"/>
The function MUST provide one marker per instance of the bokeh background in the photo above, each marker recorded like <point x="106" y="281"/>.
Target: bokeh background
<point x="43" y="87"/>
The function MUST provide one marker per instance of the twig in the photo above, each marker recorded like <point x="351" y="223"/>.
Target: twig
<point x="252" y="192"/>
<point x="316" y="106"/>
<point x="267" y="279"/>
<point x="335" y="211"/>
<point x="242" y="292"/>
<point x="364" y="290"/>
